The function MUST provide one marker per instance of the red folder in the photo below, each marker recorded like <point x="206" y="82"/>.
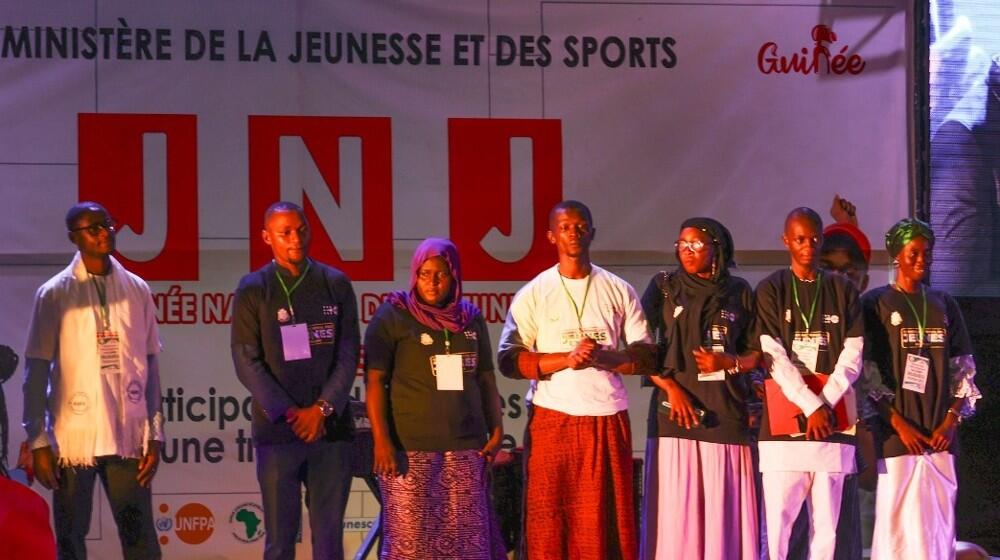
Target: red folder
<point x="782" y="413"/>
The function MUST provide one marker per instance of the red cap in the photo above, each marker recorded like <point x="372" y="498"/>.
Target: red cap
<point x="854" y="233"/>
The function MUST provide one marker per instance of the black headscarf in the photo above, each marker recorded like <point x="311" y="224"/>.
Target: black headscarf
<point x="699" y="299"/>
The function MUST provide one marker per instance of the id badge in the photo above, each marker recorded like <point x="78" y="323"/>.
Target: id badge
<point x="447" y="369"/>
<point x="915" y="374"/>
<point x="109" y="350"/>
<point x="295" y="342"/>
<point x="806" y="352"/>
<point x="719" y="375"/>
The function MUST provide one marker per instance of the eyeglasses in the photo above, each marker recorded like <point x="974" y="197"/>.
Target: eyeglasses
<point x="695" y="246"/>
<point x="427" y="275"/>
<point x="94" y="229"/>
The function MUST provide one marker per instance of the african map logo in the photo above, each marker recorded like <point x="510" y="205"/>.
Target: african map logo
<point x="246" y="522"/>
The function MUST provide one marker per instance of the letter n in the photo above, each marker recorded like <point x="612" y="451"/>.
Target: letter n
<point x="340" y="170"/>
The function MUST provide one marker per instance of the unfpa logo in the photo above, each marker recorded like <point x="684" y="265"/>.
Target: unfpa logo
<point x="818" y="61"/>
<point x="193" y="523"/>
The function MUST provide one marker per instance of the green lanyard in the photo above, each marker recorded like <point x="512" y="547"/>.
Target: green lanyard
<point x="288" y="292"/>
<point x="921" y="320"/>
<point x="579" y="309"/>
<point x="447" y="342"/>
<point x="812" y="310"/>
<point x="102" y="296"/>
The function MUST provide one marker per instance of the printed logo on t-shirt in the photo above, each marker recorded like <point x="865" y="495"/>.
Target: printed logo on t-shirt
<point x="469" y="361"/>
<point x="728" y="315"/>
<point x="283" y="315"/>
<point x="909" y="337"/>
<point x="321" y="333"/>
<point x="831" y="319"/>
<point x="574" y="336"/>
<point x="471" y="335"/>
<point x="896" y="319"/>
<point x="330" y="310"/>
<point x="820" y="337"/>
<point x="716" y="335"/>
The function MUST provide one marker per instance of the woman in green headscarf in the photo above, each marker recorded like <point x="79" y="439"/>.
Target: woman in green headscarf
<point x="916" y="338"/>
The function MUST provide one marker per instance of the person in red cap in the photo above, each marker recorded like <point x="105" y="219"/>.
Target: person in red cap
<point x="846" y="248"/>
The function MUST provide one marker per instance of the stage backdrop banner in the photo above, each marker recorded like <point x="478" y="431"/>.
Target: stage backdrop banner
<point x="392" y="122"/>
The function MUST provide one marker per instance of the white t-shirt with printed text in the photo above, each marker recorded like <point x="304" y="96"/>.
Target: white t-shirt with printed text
<point x="545" y="318"/>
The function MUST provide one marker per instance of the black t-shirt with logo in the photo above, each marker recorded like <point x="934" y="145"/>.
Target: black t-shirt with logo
<point x="892" y="332"/>
<point x="422" y="418"/>
<point x="724" y="401"/>
<point x="837" y="318"/>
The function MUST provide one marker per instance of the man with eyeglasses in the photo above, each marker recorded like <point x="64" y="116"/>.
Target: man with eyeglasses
<point x="566" y="331"/>
<point x="92" y="403"/>
<point x="295" y="344"/>
<point x="809" y="323"/>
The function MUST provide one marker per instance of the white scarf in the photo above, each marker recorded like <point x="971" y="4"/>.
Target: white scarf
<point x="87" y="403"/>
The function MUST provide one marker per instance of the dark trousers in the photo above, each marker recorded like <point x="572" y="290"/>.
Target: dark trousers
<point x="131" y="504"/>
<point x="325" y="470"/>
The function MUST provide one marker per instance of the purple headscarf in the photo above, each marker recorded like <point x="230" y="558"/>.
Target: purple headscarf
<point x="458" y="313"/>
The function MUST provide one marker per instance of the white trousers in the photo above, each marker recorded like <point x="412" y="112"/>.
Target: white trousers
<point x="784" y="494"/>
<point x="915" y="507"/>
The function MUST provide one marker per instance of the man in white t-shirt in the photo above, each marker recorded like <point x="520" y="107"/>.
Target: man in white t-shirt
<point x="564" y="332"/>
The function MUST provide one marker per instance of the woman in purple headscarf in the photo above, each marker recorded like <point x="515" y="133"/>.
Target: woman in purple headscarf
<point x="435" y="414"/>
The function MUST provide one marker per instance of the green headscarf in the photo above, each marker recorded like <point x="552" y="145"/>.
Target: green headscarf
<point x="905" y="231"/>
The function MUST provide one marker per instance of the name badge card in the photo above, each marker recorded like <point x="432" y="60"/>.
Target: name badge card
<point x="719" y="375"/>
<point x="915" y="374"/>
<point x="806" y="352"/>
<point x="109" y="349"/>
<point x="447" y="368"/>
<point x="295" y="342"/>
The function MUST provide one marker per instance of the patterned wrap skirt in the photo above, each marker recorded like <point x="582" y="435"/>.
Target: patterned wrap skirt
<point x="579" y="495"/>
<point x="440" y="509"/>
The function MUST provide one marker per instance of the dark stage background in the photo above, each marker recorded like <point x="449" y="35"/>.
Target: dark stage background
<point x="978" y="472"/>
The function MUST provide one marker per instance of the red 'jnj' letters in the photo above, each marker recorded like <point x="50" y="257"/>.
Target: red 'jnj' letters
<point x="111" y="172"/>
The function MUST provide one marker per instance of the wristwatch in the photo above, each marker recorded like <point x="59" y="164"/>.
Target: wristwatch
<point x="324" y="407"/>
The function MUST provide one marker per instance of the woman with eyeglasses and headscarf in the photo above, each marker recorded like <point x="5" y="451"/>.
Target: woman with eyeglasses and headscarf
<point x="435" y="413"/>
<point x="915" y="337"/>
<point x="701" y="476"/>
